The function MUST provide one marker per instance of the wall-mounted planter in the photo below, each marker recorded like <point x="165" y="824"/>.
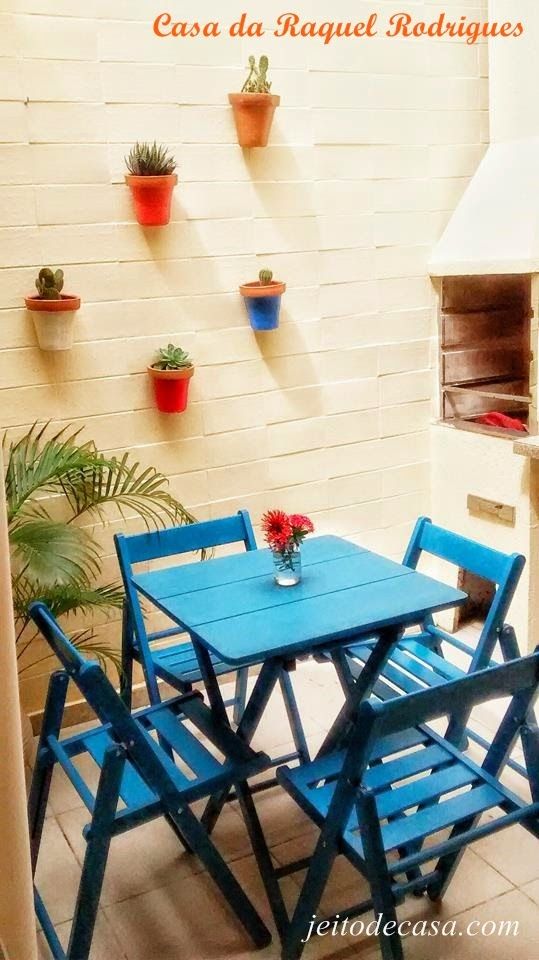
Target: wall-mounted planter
<point x="53" y="321"/>
<point x="152" y="198"/>
<point x="263" y="303"/>
<point x="253" y="115"/>
<point x="171" y="388"/>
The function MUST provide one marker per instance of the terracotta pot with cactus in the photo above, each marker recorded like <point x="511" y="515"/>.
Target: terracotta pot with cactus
<point x="171" y="375"/>
<point x="53" y="312"/>
<point x="151" y="179"/>
<point x="255" y="106"/>
<point x="262" y="299"/>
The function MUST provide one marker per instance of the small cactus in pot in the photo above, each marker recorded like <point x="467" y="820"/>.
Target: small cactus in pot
<point x="262" y="299"/>
<point x="171" y="374"/>
<point x="52" y="311"/>
<point x="255" y="106"/>
<point x="49" y="284"/>
<point x="265" y="277"/>
<point x="151" y="178"/>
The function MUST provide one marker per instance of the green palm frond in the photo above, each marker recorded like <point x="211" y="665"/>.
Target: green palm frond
<point x="63" y="599"/>
<point x="86" y="642"/>
<point x="127" y="486"/>
<point x="36" y="465"/>
<point x="58" y="561"/>
<point x="52" y="552"/>
<point x="97" y="650"/>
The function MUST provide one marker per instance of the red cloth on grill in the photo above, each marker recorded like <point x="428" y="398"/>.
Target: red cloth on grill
<point x="495" y="419"/>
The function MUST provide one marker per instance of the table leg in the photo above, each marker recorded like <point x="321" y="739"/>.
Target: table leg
<point x="257" y="703"/>
<point x="210" y="681"/>
<point x="362" y="688"/>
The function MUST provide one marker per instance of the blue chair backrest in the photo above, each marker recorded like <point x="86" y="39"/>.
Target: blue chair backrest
<point x="501" y="569"/>
<point x="105" y="702"/>
<point x="159" y="544"/>
<point x="518" y="679"/>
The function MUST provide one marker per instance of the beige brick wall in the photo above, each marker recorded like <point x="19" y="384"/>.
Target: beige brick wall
<point x="371" y="149"/>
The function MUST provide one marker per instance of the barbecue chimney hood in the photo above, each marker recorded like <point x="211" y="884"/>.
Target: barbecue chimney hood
<point x="495" y="228"/>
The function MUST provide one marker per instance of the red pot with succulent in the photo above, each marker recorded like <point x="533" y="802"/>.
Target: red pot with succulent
<point x="171" y="375"/>
<point x="284" y="534"/>
<point x="255" y="106"/>
<point x="53" y="312"/>
<point x="151" y="179"/>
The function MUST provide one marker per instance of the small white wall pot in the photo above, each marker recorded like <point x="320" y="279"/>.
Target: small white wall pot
<point x="53" y="321"/>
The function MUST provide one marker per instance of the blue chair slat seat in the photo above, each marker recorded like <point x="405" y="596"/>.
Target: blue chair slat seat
<point x="139" y="780"/>
<point x="381" y="808"/>
<point x="426" y="659"/>
<point x="177" y="664"/>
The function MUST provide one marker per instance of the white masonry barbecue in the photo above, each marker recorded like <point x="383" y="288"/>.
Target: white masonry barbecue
<point x="486" y="272"/>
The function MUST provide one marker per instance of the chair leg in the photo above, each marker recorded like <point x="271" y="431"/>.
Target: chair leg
<point x="294" y="718"/>
<point x="44" y="765"/>
<point x="220" y="872"/>
<point x="263" y="858"/>
<point x="240" y="694"/>
<point x="311" y="894"/>
<point x="95" y="860"/>
<point x="383" y="900"/>
<point x="126" y="676"/>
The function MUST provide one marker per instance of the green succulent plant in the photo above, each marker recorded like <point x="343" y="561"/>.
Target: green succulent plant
<point x="49" y="284"/>
<point x="265" y="276"/>
<point x="150" y="160"/>
<point x="172" y="358"/>
<point x="257" y="79"/>
<point x="56" y="475"/>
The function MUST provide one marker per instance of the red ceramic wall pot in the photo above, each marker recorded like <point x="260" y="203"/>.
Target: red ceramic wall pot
<point x="152" y="198"/>
<point x="171" y="388"/>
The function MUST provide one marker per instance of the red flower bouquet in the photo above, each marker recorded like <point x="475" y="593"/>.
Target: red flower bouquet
<point x="284" y="533"/>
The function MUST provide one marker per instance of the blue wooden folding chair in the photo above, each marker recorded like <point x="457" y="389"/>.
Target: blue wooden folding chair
<point x="427" y="658"/>
<point x="135" y="755"/>
<point x="177" y="664"/>
<point x="381" y="800"/>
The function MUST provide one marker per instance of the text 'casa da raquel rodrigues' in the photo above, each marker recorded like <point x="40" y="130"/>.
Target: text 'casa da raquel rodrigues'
<point x="400" y="24"/>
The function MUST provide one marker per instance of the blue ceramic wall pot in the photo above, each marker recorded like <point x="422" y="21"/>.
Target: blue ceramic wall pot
<point x="263" y="303"/>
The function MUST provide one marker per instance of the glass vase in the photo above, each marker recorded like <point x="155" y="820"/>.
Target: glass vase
<point x="287" y="565"/>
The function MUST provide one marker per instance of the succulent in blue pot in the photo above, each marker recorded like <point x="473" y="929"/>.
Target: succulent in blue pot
<point x="262" y="299"/>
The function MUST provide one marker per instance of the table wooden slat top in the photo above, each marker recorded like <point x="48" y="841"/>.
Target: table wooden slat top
<point x="234" y="608"/>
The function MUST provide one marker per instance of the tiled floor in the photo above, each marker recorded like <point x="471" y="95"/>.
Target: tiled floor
<point x="158" y="904"/>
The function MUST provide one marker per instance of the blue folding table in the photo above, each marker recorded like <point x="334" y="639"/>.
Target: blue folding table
<point x="231" y="608"/>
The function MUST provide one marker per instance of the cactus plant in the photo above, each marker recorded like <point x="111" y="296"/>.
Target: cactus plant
<point x="265" y="277"/>
<point x="151" y="179"/>
<point x="49" y="284"/>
<point x="172" y="358"/>
<point x="254" y="107"/>
<point x="150" y="160"/>
<point x="257" y="79"/>
<point x="52" y="311"/>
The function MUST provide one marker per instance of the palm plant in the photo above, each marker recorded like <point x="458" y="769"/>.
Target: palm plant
<point x="53" y="484"/>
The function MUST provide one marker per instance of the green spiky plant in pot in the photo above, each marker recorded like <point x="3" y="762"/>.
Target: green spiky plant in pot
<point x="171" y="374"/>
<point x="58" y="488"/>
<point x="151" y="178"/>
<point x="255" y="106"/>
<point x="53" y="312"/>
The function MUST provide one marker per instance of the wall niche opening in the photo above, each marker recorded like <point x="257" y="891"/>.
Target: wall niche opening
<point x="485" y="353"/>
<point x="480" y="596"/>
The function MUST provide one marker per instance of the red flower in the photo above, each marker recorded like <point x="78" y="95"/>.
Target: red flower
<point x="282" y="532"/>
<point x="277" y="529"/>
<point x="300" y="524"/>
